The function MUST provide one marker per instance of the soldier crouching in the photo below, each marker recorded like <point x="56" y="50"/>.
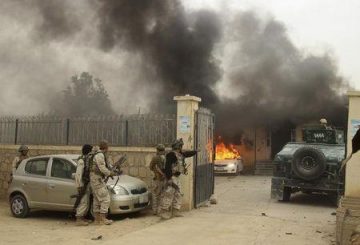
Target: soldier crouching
<point x="157" y="166"/>
<point x="98" y="172"/>
<point x="174" y="167"/>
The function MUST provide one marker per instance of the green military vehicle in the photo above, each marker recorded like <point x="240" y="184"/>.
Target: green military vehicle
<point x="311" y="166"/>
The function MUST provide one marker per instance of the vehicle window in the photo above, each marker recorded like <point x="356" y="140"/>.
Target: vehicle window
<point x="37" y="166"/>
<point x="62" y="168"/>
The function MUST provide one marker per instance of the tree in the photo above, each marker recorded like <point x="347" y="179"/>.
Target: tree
<point x="85" y="96"/>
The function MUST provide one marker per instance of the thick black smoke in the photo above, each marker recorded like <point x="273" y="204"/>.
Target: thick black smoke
<point x="179" y="48"/>
<point x="246" y="70"/>
<point x="273" y="82"/>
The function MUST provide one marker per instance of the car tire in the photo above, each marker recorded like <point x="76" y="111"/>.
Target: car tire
<point x="308" y="163"/>
<point x="19" y="206"/>
<point x="286" y="194"/>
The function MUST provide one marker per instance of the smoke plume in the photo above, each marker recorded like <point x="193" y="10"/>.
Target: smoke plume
<point x="244" y="67"/>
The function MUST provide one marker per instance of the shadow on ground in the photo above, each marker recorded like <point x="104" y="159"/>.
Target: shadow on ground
<point x="312" y="200"/>
<point x="65" y="216"/>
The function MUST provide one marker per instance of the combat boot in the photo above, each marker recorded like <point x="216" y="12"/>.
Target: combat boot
<point x="104" y="220"/>
<point x="97" y="220"/>
<point x="81" y="222"/>
<point x="164" y="214"/>
<point x="177" y="213"/>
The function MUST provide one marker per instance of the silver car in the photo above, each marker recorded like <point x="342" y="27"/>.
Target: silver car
<point x="228" y="166"/>
<point x="47" y="183"/>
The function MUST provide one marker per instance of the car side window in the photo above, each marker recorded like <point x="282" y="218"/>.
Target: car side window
<point x="37" y="166"/>
<point x="62" y="168"/>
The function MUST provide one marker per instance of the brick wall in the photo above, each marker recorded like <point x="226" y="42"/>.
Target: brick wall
<point x="138" y="159"/>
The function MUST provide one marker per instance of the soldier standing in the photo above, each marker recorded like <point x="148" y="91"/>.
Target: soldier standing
<point x="82" y="178"/>
<point x="174" y="167"/>
<point x="23" y="154"/>
<point x="99" y="170"/>
<point x="157" y="166"/>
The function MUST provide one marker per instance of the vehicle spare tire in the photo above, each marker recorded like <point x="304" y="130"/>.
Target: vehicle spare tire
<point x="308" y="163"/>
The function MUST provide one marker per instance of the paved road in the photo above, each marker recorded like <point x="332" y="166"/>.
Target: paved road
<point x="244" y="215"/>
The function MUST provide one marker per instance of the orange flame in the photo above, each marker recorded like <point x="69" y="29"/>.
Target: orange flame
<point x="224" y="152"/>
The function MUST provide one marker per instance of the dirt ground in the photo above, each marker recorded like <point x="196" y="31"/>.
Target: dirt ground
<point x="245" y="214"/>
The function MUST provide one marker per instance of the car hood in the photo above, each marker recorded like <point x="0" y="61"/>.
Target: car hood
<point x="127" y="181"/>
<point x="225" y="162"/>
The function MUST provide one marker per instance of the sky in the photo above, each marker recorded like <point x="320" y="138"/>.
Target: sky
<point x="315" y="26"/>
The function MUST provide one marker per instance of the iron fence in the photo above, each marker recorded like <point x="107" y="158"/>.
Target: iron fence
<point x="125" y="130"/>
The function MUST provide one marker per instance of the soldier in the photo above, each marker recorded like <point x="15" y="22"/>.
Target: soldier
<point x="82" y="178"/>
<point x="157" y="166"/>
<point x="23" y="154"/>
<point x="174" y="167"/>
<point x="99" y="170"/>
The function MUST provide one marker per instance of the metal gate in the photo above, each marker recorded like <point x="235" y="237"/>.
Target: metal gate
<point x="204" y="164"/>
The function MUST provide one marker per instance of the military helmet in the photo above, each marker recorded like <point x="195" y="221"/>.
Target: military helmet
<point x="23" y="148"/>
<point x="86" y="149"/>
<point x="160" y="148"/>
<point x="103" y="144"/>
<point x="177" y="144"/>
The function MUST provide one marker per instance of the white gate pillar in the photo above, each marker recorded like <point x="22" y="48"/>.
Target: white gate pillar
<point x="186" y="108"/>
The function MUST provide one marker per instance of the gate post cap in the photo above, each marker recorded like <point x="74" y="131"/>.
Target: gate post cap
<point x="187" y="97"/>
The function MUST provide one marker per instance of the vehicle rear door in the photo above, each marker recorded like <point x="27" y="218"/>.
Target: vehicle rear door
<point x="34" y="181"/>
<point x="61" y="184"/>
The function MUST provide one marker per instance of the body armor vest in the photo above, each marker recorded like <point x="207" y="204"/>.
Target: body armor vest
<point x="93" y="166"/>
<point x="179" y="166"/>
<point x="86" y="173"/>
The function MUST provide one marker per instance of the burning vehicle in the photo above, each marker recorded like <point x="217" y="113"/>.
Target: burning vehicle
<point x="312" y="166"/>
<point x="227" y="160"/>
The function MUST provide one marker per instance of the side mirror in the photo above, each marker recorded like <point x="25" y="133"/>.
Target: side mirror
<point x="73" y="176"/>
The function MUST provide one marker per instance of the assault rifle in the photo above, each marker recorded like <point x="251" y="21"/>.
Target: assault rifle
<point x="116" y="168"/>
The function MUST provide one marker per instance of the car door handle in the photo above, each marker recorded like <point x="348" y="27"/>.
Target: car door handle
<point x="51" y="186"/>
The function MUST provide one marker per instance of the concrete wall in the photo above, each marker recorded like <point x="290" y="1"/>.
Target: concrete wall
<point x="136" y="165"/>
<point x="352" y="183"/>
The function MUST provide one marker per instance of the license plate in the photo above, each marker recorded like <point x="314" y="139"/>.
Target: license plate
<point x="143" y="199"/>
<point x="219" y="169"/>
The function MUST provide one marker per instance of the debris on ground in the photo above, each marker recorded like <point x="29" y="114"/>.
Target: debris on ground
<point x="213" y="199"/>
<point x="97" y="238"/>
<point x="288" y="233"/>
<point x="333" y="213"/>
<point x="263" y="214"/>
<point x="318" y="232"/>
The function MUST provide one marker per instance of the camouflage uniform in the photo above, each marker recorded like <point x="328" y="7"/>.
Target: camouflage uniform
<point x="157" y="166"/>
<point x="98" y="171"/>
<point x="83" y="207"/>
<point x="174" y="167"/>
<point x="17" y="161"/>
<point x="15" y="164"/>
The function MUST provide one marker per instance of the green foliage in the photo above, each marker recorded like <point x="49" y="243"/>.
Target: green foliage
<point x="85" y="96"/>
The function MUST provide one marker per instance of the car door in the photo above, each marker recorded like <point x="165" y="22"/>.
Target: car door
<point x="35" y="181"/>
<point x="61" y="184"/>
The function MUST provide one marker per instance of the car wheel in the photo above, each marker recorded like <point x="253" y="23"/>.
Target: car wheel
<point x="308" y="163"/>
<point x="286" y="194"/>
<point x="19" y="206"/>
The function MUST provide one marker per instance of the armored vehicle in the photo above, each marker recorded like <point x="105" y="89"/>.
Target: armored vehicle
<point x="311" y="166"/>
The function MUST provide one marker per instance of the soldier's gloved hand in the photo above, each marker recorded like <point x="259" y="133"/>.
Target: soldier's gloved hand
<point x="170" y="182"/>
<point x="112" y="174"/>
<point x="79" y="189"/>
<point x="119" y="172"/>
